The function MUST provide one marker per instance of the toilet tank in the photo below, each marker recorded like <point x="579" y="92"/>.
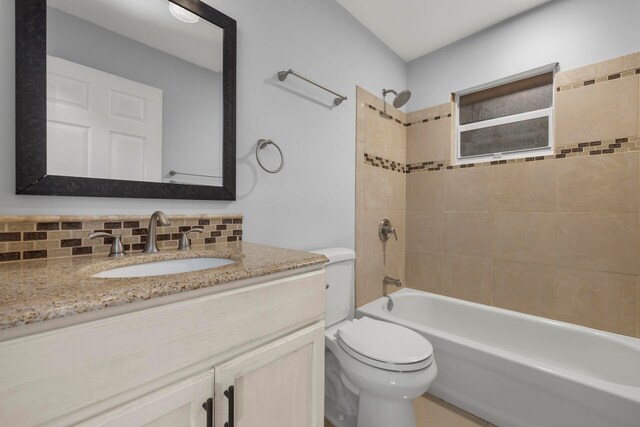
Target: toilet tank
<point x="340" y="279"/>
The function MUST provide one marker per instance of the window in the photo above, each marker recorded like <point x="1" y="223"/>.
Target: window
<point x="506" y="119"/>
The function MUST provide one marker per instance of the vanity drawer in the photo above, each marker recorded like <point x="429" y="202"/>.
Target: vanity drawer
<point x="62" y="376"/>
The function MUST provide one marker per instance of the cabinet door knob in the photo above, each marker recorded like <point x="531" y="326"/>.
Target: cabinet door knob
<point x="229" y="393"/>
<point x="208" y="406"/>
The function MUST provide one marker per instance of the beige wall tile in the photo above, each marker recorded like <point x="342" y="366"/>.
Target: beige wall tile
<point x="468" y="189"/>
<point x="424" y="271"/>
<point x="524" y="187"/>
<point x="424" y="113"/>
<point x="20" y="226"/>
<point x="638" y="312"/>
<point x="371" y="270"/>
<point x="368" y="279"/>
<point x="597" y="183"/>
<point x="384" y="189"/>
<point x="424" y="231"/>
<point x="597" y="112"/>
<point x="361" y="170"/>
<point x="467" y="234"/>
<point x="599" y="300"/>
<point x="524" y="236"/>
<point x="383" y="137"/>
<point x="467" y="278"/>
<point x="425" y="142"/>
<point x="433" y="412"/>
<point x="368" y="242"/>
<point x="448" y="142"/>
<point x="368" y="97"/>
<point x="575" y="75"/>
<point x="605" y="242"/>
<point x="524" y="287"/>
<point x="425" y="191"/>
<point x="616" y="65"/>
<point x="20" y="246"/>
<point x="446" y="108"/>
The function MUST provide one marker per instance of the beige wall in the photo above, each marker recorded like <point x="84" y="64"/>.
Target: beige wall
<point x="380" y="193"/>
<point x="556" y="237"/>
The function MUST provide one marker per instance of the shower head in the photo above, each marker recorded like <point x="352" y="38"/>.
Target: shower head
<point x="400" y="99"/>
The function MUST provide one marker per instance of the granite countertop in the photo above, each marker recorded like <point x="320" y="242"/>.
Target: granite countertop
<point x="40" y="290"/>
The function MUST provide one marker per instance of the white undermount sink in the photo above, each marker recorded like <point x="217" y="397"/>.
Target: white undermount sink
<point x="161" y="268"/>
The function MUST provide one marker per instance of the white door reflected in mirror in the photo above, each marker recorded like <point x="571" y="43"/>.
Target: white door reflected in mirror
<point x="133" y="93"/>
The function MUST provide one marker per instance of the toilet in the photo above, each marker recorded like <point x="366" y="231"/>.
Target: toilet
<point x="373" y="369"/>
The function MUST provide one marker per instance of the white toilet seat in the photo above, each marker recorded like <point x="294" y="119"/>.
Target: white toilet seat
<point x="385" y="345"/>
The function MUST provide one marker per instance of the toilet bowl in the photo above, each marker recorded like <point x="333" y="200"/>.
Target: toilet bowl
<point x="385" y="373"/>
<point x="373" y="369"/>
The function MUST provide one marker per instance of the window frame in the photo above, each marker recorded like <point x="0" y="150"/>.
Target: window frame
<point x="514" y="118"/>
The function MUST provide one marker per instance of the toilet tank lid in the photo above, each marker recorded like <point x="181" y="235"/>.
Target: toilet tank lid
<point x="336" y="254"/>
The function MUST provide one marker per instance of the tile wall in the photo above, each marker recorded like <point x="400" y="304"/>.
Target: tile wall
<point x="553" y="236"/>
<point x="380" y="194"/>
<point x="36" y="237"/>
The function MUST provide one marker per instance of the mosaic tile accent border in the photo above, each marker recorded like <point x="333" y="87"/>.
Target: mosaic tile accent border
<point x="28" y="238"/>
<point x="407" y="124"/>
<point x="583" y="83"/>
<point x="430" y="166"/>
<point x="592" y="148"/>
<point x="427" y="119"/>
<point x="379" y="162"/>
<point x="371" y="107"/>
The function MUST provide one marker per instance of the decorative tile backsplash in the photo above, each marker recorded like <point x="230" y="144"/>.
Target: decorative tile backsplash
<point x="27" y="237"/>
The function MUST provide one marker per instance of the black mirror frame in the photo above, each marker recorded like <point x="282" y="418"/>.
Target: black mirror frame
<point x="31" y="118"/>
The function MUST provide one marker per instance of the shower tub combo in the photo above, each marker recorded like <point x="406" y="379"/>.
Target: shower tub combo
<point x="514" y="369"/>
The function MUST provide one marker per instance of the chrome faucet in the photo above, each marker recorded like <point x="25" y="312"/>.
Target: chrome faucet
<point x="157" y="218"/>
<point x="385" y="230"/>
<point x="391" y="281"/>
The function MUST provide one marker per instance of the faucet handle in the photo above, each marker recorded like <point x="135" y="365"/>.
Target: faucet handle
<point x="117" y="249"/>
<point x="184" y="244"/>
<point x="385" y="229"/>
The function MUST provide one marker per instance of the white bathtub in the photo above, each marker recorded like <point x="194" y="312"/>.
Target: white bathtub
<point x="514" y="369"/>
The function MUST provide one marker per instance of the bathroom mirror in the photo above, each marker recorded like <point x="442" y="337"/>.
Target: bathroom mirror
<point x="121" y="98"/>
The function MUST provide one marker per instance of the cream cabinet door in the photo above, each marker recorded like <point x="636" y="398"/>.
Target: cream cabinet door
<point x="178" y="405"/>
<point x="278" y="385"/>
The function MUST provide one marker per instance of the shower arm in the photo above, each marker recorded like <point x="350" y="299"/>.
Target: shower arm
<point x="384" y="101"/>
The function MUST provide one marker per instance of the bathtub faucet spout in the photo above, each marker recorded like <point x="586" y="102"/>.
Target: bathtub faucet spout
<point x="391" y="281"/>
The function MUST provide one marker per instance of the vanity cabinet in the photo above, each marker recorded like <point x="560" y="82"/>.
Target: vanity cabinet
<point x="157" y="366"/>
<point x="280" y="384"/>
<point x="178" y="405"/>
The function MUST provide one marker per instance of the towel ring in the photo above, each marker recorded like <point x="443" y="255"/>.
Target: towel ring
<point x="262" y="143"/>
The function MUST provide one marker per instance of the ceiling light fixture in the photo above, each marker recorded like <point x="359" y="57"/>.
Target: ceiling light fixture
<point x="183" y="14"/>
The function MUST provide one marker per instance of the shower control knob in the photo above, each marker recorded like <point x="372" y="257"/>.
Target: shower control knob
<point x="385" y="230"/>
